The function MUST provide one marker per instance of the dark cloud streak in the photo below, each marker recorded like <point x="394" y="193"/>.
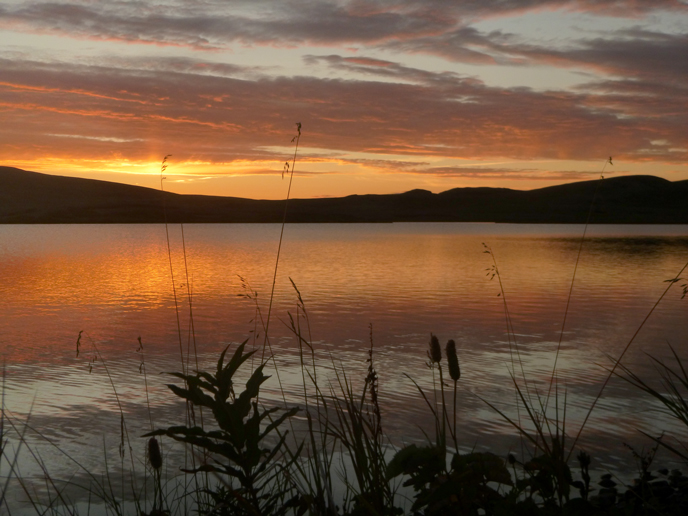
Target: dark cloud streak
<point x="224" y="118"/>
<point x="212" y="25"/>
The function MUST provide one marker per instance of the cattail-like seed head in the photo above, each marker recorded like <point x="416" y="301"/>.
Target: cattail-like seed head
<point x="435" y="352"/>
<point x="511" y="458"/>
<point x="154" y="455"/>
<point x="453" y="361"/>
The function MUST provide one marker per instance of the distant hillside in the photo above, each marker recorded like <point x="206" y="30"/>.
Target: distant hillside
<point x="33" y="198"/>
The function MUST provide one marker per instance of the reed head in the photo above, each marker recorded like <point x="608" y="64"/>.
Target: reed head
<point x="453" y="361"/>
<point x="435" y="352"/>
<point x="154" y="455"/>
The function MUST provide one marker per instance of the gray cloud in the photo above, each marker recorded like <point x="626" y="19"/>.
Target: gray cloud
<point x="464" y="45"/>
<point x="636" y="53"/>
<point x="220" y="118"/>
<point x="208" y="25"/>
<point x="431" y="27"/>
<point x="382" y="69"/>
<point x="216" y="25"/>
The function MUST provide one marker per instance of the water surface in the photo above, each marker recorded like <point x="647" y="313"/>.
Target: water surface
<point x="114" y="283"/>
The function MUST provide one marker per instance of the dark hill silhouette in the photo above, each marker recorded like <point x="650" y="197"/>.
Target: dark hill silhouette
<point x="31" y="197"/>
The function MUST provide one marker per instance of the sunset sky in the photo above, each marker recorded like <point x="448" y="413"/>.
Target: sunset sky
<point x="392" y="95"/>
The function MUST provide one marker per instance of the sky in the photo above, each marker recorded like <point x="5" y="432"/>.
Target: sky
<point x="391" y="95"/>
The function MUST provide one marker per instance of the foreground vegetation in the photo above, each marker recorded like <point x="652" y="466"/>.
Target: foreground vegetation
<point x="330" y="455"/>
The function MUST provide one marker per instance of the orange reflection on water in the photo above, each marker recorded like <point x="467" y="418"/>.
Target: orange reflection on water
<point x="403" y="278"/>
<point x="114" y="283"/>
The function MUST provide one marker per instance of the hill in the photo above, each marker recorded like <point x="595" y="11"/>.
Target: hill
<point x="34" y="198"/>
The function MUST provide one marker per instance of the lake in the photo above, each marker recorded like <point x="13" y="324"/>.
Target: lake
<point x="113" y="282"/>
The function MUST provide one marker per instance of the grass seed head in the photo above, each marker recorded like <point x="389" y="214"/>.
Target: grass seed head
<point x="453" y="361"/>
<point x="435" y="352"/>
<point x="154" y="455"/>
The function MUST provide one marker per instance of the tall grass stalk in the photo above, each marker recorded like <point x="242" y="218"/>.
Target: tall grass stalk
<point x="435" y="359"/>
<point x="673" y="395"/>
<point x="493" y="272"/>
<point x="553" y="376"/>
<point x="142" y="370"/>
<point x="549" y="436"/>
<point x="192" y="327"/>
<point x="4" y="441"/>
<point x="455" y="374"/>
<point x="314" y="478"/>
<point x="357" y="426"/>
<point x="617" y="361"/>
<point x="549" y="433"/>
<point x="191" y="339"/>
<point x="103" y="492"/>
<point x="125" y="442"/>
<point x="296" y="139"/>
<point x="267" y="345"/>
<point x="163" y="168"/>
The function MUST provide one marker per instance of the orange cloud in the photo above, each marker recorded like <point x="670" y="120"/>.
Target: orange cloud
<point x="362" y="110"/>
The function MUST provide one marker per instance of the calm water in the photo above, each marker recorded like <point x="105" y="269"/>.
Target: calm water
<point x="407" y="280"/>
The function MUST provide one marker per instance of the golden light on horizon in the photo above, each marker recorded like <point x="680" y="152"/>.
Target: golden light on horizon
<point x="355" y="173"/>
